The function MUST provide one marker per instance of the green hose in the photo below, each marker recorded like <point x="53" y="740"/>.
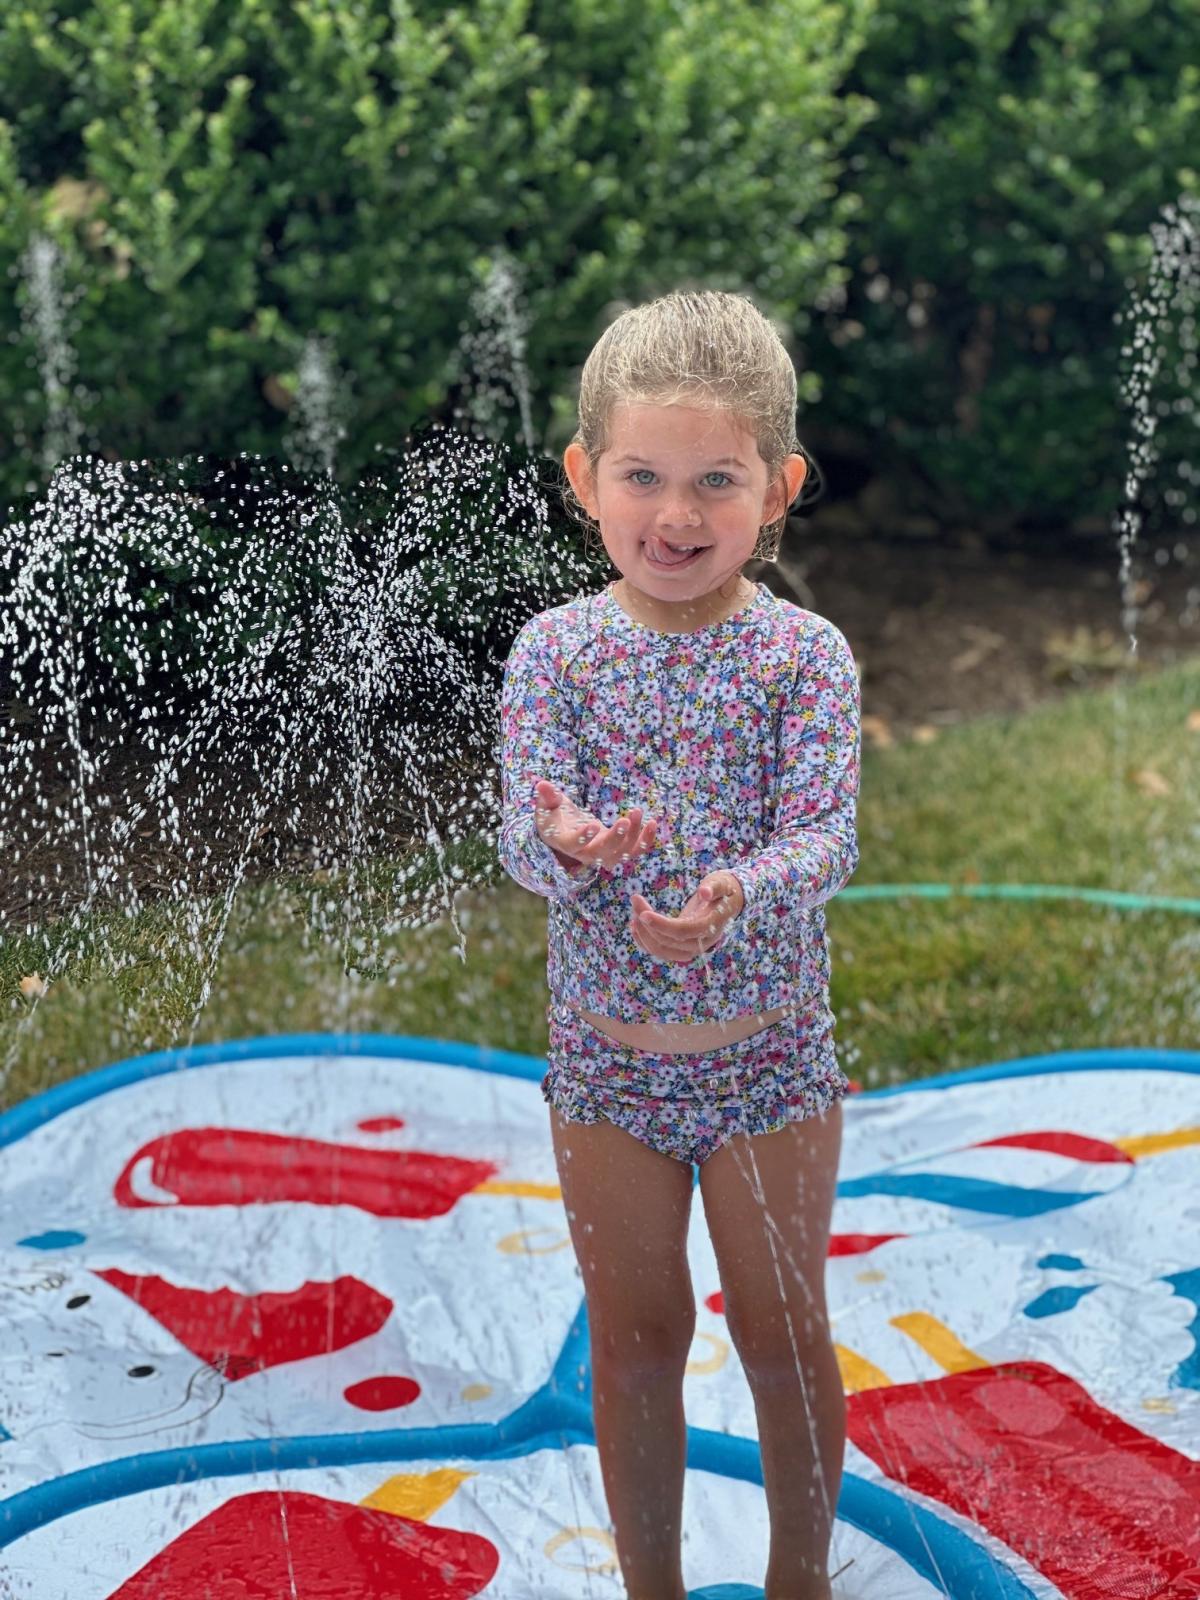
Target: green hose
<point x="1020" y="891"/>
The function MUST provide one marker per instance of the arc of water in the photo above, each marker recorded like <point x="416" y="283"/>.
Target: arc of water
<point x="44" y="315"/>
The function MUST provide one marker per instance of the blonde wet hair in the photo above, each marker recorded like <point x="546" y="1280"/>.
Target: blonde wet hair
<point x="705" y="348"/>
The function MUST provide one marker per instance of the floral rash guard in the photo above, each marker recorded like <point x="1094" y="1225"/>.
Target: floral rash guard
<point x="743" y="739"/>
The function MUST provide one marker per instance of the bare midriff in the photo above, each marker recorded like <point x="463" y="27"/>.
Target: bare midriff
<point x="677" y="1038"/>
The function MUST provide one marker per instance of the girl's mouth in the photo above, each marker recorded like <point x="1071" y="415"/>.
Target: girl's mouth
<point x="661" y="554"/>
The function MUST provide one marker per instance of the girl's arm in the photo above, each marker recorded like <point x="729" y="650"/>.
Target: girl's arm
<point x="536" y="741"/>
<point x="813" y="848"/>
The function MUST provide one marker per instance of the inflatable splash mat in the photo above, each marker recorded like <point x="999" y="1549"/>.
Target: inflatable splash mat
<point x="300" y="1316"/>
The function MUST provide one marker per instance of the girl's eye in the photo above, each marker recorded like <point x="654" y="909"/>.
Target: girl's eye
<point x="637" y="470"/>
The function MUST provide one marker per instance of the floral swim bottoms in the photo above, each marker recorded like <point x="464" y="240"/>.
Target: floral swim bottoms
<point x="689" y="1105"/>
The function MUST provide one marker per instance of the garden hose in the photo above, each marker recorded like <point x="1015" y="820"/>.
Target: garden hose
<point x="1021" y="891"/>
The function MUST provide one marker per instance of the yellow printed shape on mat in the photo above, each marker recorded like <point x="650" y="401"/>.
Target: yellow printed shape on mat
<point x="416" y="1495"/>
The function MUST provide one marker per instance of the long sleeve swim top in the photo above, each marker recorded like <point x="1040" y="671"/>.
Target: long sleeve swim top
<point x="743" y="739"/>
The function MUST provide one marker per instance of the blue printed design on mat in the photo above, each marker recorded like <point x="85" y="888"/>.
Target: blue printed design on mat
<point x="55" y="1239"/>
<point x="968" y="1194"/>
<point x="1061" y="1298"/>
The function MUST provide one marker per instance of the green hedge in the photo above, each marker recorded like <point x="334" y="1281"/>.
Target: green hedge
<point x="261" y="171"/>
<point x="943" y="204"/>
<point x="1021" y="155"/>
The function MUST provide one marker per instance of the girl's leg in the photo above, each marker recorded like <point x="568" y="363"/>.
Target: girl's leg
<point x="627" y="1208"/>
<point x="771" y="1250"/>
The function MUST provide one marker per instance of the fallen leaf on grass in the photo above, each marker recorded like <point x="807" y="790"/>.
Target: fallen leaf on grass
<point x="878" y="731"/>
<point x="925" y="734"/>
<point x="1150" y="782"/>
<point x="1193" y="722"/>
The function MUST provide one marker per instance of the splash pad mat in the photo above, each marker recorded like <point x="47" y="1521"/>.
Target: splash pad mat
<point x="301" y="1315"/>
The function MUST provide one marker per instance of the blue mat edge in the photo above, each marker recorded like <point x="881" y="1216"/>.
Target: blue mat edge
<point x="41" y="1108"/>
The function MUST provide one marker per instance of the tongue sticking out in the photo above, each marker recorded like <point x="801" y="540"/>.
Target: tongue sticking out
<point x="662" y="553"/>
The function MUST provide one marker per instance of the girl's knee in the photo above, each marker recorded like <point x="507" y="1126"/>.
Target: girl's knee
<point x="772" y="1347"/>
<point x="643" y="1343"/>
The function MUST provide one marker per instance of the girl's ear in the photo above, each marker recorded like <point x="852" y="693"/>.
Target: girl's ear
<point x="792" y="475"/>
<point x="575" y="463"/>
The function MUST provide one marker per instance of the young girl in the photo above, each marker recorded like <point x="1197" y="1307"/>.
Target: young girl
<point x="679" y="773"/>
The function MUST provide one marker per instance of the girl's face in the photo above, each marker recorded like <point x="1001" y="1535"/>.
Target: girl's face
<point x="679" y="476"/>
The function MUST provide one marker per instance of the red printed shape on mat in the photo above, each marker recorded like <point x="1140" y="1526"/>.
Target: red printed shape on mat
<point x="334" y="1551"/>
<point x="857" y="1244"/>
<point x="1094" y="1505"/>
<point x="242" y="1167"/>
<point x="240" y="1334"/>
<point x="1075" y="1146"/>
<point x="384" y="1393"/>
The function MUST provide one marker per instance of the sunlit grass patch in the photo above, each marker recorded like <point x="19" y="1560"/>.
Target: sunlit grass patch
<point x="1055" y="796"/>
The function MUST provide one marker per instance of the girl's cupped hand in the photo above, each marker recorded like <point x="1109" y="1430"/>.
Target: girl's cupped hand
<point x="580" y="836"/>
<point x="577" y="835"/>
<point x="700" y="926"/>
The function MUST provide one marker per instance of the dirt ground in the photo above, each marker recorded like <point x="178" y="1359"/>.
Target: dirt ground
<point x="942" y="631"/>
<point x="946" y="631"/>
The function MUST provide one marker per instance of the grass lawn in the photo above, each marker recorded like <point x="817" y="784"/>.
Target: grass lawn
<point x="1099" y="790"/>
